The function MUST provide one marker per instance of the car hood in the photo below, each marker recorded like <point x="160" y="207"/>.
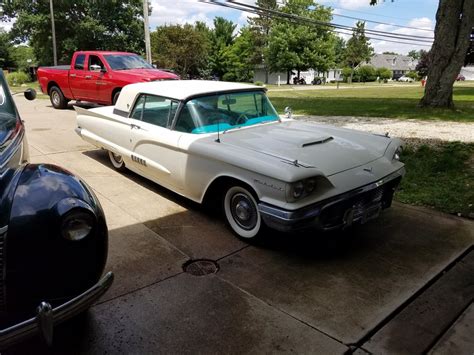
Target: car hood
<point x="329" y="149"/>
<point x="151" y="74"/>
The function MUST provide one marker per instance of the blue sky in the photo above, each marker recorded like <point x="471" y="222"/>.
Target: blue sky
<point x="412" y="13"/>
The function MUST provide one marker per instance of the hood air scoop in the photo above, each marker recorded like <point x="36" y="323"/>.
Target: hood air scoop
<point x="315" y="141"/>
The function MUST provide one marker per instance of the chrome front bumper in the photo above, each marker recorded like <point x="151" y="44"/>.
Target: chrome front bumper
<point x="47" y="317"/>
<point x="336" y="212"/>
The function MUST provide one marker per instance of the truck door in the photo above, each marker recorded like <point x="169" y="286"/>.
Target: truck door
<point x="77" y="75"/>
<point x="97" y="80"/>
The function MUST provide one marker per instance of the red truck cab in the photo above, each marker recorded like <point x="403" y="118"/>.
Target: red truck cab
<point x="96" y="76"/>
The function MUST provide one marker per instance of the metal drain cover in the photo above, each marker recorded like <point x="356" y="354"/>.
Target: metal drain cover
<point x="201" y="267"/>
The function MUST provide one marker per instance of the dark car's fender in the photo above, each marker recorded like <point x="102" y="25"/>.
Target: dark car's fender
<point x="41" y="264"/>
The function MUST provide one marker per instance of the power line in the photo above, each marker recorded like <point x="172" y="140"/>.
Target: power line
<point x="322" y="23"/>
<point x="303" y="20"/>
<point x="383" y="23"/>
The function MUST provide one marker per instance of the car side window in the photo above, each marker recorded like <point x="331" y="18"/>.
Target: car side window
<point x="156" y="110"/>
<point x="138" y="109"/>
<point x="79" y="64"/>
<point x="95" y="64"/>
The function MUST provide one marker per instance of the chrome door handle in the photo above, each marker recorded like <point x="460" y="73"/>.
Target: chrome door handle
<point x="135" y="126"/>
<point x="88" y="76"/>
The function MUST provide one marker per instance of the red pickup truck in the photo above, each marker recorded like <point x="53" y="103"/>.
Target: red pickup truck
<point x="96" y="76"/>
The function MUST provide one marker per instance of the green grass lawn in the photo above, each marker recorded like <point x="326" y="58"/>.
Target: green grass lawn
<point x="34" y="85"/>
<point x="373" y="101"/>
<point x="440" y="176"/>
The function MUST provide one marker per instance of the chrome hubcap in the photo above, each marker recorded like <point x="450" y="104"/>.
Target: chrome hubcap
<point x="55" y="98"/>
<point x="244" y="211"/>
<point x="117" y="158"/>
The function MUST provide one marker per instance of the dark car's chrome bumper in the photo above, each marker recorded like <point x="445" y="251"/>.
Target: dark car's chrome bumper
<point x="359" y="205"/>
<point x="47" y="317"/>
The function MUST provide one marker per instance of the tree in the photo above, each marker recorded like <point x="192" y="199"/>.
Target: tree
<point x="294" y="46"/>
<point x="392" y="53"/>
<point x="5" y="46"/>
<point x="454" y="23"/>
<point x="22" y="57"/>
<point x="424" y="64"/>
<point x="339" y="51"/>
<point x="222" y="37"/>
<point x="239" y="58"/>
<point x="82" y="24"/>
<point x="414" y="54"/>
<point x="260" y="27"/>
<point x="181" y="48"/>
<point x="358" y="48"/>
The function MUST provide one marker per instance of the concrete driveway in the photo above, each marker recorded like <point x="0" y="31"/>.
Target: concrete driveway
<point x="403" y="283"/>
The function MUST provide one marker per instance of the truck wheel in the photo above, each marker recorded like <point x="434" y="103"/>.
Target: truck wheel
<point x="57" y="98"/>
<point x="241" y="212"/>
<point x="115" y="98"/>
<point x="117" y="161"/>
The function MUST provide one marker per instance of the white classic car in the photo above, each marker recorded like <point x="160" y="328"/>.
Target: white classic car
<point x="209" y="141"/>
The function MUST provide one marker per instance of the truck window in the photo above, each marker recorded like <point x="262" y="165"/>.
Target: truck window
<point x="79" y="65"/>
<point x="95" y="62"/>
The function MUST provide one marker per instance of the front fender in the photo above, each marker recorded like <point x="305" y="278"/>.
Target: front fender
<point x="41" y="263"/>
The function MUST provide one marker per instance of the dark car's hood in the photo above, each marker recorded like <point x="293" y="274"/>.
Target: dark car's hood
<point x="148" y="74"/>
<point x="329" y="149"/>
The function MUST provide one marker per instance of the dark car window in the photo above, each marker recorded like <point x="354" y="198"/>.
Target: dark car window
<point x="126" y="61"/>
<point x="138" y="109"/>
<point x="80" y="59"/>
<point x="95" y="61"/>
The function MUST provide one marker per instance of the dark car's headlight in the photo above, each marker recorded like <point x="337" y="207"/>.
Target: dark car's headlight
<point x="398" y="153"/>
<point x="77" y="225"/>
<point x="301" y="188"/>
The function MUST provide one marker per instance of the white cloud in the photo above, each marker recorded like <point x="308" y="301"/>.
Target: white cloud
<point x="420" y="26"/>
<point x="353" y="4"/>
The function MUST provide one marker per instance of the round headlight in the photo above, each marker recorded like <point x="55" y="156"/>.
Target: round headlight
<point x="298" y="189"/>
<point x="77" y="225"/>
<point x="310" y="185"/>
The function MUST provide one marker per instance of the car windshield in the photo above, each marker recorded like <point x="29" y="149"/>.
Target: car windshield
<point x="225" y="111"/>
<point x="8" y="115"/>
<point x="126" y="61"/>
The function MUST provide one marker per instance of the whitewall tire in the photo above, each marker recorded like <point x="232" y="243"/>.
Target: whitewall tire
<point x="117" y="161"/>
<point x="241" y="212"/>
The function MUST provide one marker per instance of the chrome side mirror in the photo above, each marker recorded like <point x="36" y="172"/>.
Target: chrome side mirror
<point x="288" y="112"/>
<point x="30" y="94"/>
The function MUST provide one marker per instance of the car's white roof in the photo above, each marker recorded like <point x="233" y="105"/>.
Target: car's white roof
<point x="176" y="89"/>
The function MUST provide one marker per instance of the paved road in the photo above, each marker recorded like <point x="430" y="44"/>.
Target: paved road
<point x="400" y="284"/>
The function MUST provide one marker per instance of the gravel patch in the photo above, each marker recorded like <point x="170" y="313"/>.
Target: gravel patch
<point x="407" y="129"/>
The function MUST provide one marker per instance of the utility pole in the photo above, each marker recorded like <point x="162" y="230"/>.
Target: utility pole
<point x="55" y="55"/>
<point x="147" y="31"/>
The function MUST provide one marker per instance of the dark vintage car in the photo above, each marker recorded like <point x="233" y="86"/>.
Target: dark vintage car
<point x="53" y="238"/>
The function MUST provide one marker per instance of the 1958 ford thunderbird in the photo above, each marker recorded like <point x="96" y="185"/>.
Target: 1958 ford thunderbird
<point x="207" y="140"/>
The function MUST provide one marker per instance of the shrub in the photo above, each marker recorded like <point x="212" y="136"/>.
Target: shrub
<point x="17" y="78"/>
<point x="384" y="73"/>
<point x="346" y="73"/>
<point x="367" y="73"/>
<point x="412" y="74"/>
<point x="259" y="83"/>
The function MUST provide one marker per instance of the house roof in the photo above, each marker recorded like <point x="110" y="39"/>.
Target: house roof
<point x="393" y="62"/>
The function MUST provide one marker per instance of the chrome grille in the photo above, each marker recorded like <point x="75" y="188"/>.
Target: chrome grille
<point x="3" y="268"/>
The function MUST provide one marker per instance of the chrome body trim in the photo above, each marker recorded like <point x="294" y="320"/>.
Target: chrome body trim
<point x="42" y="324"/>
<point x="306" y="217"/>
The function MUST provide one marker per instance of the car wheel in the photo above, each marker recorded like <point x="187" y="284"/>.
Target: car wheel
<point x="57" y="98"/>
<point x="241" y="212"/>
<point x="115" y="98"/>
<point x="117" y="161"/>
